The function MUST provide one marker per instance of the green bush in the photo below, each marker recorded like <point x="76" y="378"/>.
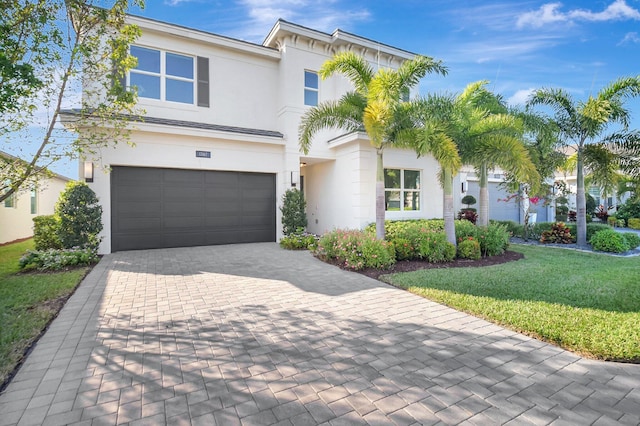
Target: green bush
<point x="610" y="241"/>
<point x="494" y="239"/>
<point x="299" y="240"/>
<point x="80" y="216"/>
<point x="628" y="210"/>
<point x="397" y="228"/>
<point x="559" y="234"/>
<point x="633" y="222"/>
<point x="356" y="250"/>
<point x="469" y="249"/>
<point x="536" y="230"/>
<point x="294" y="216"/>
<point x="45" y="232"/>
<point x="632" y="238"/>
<point x="612" y="220"/>
<point x="53" y="259"/>
<point x="514" y="228"/>
<point x="469" y="200"/>
<point x="435" y="248"/>
<point x="592" y="228"/>
<point x="465" y="229"/>
<point x="404" y="249"/>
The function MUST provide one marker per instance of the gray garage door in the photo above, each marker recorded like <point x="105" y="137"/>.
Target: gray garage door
<point x="156" y="208"/>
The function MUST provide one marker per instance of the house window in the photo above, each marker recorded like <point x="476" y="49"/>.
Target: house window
<point x="163" y="75"/>
<point x="10" y="201"/>
<point x="401" y="190"/>
<point x="310" y="88"/>
<point x="34" y="201"/>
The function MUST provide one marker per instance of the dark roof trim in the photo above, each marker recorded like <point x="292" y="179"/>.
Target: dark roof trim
<point x="193" y="125"/>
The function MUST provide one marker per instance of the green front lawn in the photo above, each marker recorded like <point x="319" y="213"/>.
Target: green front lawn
<point x="28" y="302"/>
<point x="585" y="302"/>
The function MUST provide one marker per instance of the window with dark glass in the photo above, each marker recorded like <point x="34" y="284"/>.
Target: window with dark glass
<point x="402" y="190"/>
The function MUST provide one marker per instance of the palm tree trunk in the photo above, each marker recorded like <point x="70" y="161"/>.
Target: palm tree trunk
<point x="447" y="191"/>
<point x="581" y="204"/>
<point x="483" y="199"/>
<point x="380" y="207"/>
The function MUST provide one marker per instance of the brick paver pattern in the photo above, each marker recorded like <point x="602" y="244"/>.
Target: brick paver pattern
<point x="253" y="334"/>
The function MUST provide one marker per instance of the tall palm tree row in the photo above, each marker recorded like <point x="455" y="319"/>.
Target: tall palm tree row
<point x="372" y="106"/>
<point x="584" y="122"/>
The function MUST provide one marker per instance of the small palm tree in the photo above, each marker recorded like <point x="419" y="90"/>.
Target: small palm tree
<point x="372" y="106"/>
<point x="583" y="123"/>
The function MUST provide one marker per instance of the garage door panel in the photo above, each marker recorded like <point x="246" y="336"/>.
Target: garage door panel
<point x="174" y="208"/>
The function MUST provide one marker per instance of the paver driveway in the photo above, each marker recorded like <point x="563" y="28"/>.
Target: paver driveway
<point x="254" y="334"/>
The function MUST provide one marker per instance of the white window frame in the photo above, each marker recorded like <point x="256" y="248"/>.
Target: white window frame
<point x="164" y="76"/>
<point x="33" y="200"/>
<point x="311" y="89"/>
<point x="403" y="190"/>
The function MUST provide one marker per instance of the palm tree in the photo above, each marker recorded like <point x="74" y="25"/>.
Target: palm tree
<point x="491" y="136"/>
<point x="581" y="123"/>
<point x="428" y="126"/>
<point x="372" y="106"/>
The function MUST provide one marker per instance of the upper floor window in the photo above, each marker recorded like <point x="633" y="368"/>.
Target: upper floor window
<point x="311" y="88"/>
<point x="10" y="201"/>
<point x="401" y="190"/>
<point x="34" y="201"/>
<point x="163" y="75"/>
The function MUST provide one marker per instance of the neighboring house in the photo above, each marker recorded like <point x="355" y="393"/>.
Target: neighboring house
<point x="218" y="146"/>
<point x="18" y="210"/>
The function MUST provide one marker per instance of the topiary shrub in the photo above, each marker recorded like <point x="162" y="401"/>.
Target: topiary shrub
<point x="558" y="234"/>
<point x="632" y="239"/>
<point x="294" y="216"/>
<point x="469" y="249"/>
<point x="80" y="216"/>
<point x="609" y="241"/>
<point x="45" y="232"/>
<point x="469" y="200"/>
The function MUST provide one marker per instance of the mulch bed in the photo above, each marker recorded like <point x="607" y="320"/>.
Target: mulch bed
<point x="414" y="265"/>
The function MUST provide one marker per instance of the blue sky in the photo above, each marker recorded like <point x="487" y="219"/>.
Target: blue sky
<point x="517" y="45"/>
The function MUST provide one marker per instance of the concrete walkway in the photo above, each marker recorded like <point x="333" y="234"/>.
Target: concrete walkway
<point x="252" y="334"/>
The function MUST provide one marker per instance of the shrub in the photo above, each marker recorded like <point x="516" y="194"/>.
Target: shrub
<point x="536" y="230"/>
<point x="45" y="232"/>
<point x="299" y="240"/>
<point x="494" y="239"/>
<point x="592" y="228"/>
<point x="356" y="250"/>
<point x="634" y="222"/>
<point x="632" y="239"/>
<point x="559" y="234"/>
<point x="468" y="214"/>
<point x="628" y="210"/>
<point x="610" y="241"/>
<point x="469" y="200"/>
<point x="404" y="249"/>
<point x="396" y="228"/>
<point x="612" y="220"/>
<point x="80" y="216"/>
<point x="469" y="249"/>
<point x="52" y="259"/>
<point x="435" y="248"/>
<point x="514" y="228"/>
<point x="293" y="208"/>
<point x="465" y="229"/>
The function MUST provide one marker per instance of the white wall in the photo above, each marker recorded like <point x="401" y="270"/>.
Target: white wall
<point x="17" y="222"/>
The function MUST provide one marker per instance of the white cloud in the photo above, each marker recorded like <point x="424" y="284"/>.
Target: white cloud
<point x="547" y="13"/>
<point x="631" y="37"/>
<point x="324" y="16"/>
<point x="550" y="13"/>
<point x="520" y="97"/>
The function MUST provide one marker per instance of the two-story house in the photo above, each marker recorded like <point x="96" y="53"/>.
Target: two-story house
<point x="218" y="146"/>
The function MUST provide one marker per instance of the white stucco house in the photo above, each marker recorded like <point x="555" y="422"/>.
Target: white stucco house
<point x="218" y="147"/>
<point x="18" y="210"/>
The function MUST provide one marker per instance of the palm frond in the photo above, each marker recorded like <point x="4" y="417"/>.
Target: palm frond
<point x="352" y="66"/>
<point x="331" y="114"/>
